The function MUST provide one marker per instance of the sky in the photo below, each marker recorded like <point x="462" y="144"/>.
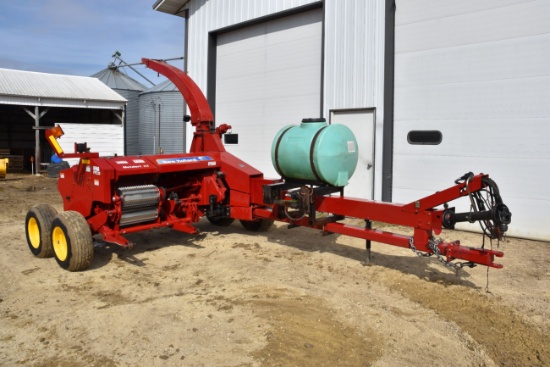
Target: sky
<point x="79" y="37"/>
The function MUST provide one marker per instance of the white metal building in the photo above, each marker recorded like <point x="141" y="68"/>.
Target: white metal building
<point x="469" y="79"/>
<point x="31" y="102"/>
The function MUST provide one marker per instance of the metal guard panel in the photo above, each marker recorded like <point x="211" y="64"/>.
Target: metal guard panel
<point x="238" y="173"/>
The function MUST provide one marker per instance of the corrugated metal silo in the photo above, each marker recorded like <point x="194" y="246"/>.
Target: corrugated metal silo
<point x="129" y="89"/>
<point x="161" y="125"/>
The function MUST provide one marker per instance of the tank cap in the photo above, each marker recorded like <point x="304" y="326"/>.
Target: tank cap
<point x="314" y="119"/>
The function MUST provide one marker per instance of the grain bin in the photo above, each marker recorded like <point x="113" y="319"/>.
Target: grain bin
<point x="161" y="125"/>
<point x="129" y="89"/>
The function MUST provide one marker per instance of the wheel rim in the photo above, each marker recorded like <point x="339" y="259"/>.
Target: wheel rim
<point x="60" y="245"/>
<point x="34" y="233"/>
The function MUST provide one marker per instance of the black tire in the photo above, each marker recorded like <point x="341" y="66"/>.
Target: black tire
<point x="220" y="222"/>
<point x="38" y="224"/>
<point x="259" y="225"/>
<point x="72" y="241"/>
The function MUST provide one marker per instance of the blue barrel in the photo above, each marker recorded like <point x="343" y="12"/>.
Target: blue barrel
<point x="315" y="151"/>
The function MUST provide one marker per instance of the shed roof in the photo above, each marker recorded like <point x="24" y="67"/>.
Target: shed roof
<point x="30" y="88"/>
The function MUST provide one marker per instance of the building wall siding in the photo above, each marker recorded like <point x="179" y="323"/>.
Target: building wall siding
<point x="478" y="71"/>
<point x="107" y="140"/>
<point x="354" y="64"/>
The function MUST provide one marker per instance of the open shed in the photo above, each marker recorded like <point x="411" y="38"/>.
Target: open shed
<point x="31" y="101"/>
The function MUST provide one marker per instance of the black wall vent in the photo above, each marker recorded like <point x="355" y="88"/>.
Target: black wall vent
<point x="425" y="137"/>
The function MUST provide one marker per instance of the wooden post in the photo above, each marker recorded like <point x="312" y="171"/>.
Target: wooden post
<point x="37" y="157"/>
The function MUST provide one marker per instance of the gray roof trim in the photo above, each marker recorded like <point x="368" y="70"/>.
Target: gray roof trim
<point x="52" y="102"/>
<point x="53" y="90"/>
<point x="174" y="7"/>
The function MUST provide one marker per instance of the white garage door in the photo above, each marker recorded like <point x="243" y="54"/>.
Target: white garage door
<point x="479" y="72"/>
<point x="268" y="76"/>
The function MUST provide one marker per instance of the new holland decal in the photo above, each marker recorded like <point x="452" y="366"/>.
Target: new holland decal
<point x="184" y="160"/>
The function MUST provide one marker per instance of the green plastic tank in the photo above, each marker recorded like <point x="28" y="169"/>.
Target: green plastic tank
<point x="315" y="151"/>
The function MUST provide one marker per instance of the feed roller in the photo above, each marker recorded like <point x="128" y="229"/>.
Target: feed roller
<point x="140" y="204"/>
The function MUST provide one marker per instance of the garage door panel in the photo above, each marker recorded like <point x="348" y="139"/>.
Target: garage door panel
<point x="274" y="58"/>
<point x="282" y="111"/>
<point x="291" y="82"/>
<point x="234" y="67"/>
<point x="292" y="109"/>
<point x="246" y="88"/>
<point x="253" y="37"/>
<point x="305" y="24"/>
<point x="278" y="57"/>
<point x="254" y="112"/>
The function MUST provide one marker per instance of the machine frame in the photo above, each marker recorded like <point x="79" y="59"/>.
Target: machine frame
<point x="115" y="196"/>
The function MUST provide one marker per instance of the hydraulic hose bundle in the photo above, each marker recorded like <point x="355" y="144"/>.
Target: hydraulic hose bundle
<point x="486" y="207"/>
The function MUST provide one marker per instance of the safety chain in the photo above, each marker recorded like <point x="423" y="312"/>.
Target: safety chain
<point x="433" y="245"/>
<point x="418" y="253"/>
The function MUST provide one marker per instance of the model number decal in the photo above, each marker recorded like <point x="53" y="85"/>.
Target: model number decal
<point x="184" y="160"/>
<point x="136" y="166"/>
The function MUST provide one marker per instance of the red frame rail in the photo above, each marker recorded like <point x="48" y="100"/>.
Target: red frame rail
<point x="419" y="215"/>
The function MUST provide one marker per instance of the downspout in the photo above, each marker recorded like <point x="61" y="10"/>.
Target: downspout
<point x="389" y="85"/>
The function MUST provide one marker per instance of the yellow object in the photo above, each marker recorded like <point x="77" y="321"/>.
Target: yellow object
<point x="34" y="232"/>
<point x="55" y="145"/>
<point x="60" y="245"/>
<point x="3" y="167"/>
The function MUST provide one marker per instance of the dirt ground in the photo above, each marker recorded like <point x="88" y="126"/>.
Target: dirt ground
<point x="286" y="297"/>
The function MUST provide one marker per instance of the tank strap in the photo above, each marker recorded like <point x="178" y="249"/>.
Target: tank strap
<point x="278" y="168"/>
<point x="311" y="150"/>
